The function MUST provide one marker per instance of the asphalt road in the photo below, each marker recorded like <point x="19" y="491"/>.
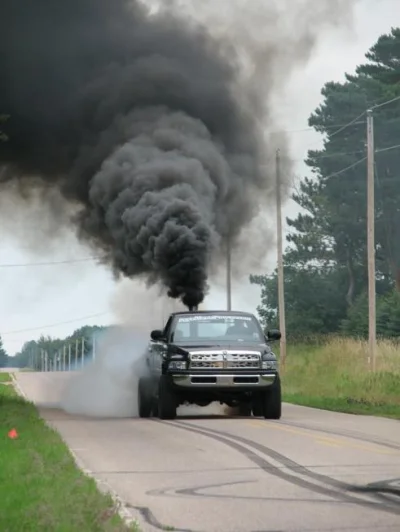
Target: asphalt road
<point x="311" y="471"/>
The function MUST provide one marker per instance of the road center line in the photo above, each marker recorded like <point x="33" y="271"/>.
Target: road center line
<point x="338" y="442"/>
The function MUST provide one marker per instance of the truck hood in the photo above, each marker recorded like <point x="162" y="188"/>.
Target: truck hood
<point x="226" y="346"/>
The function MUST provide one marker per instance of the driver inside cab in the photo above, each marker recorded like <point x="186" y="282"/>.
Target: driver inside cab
<point x="240" y="328"/>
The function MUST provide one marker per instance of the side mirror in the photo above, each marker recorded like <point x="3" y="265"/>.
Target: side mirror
<point x="274" y="334"/>
<point x="156" y="335"/>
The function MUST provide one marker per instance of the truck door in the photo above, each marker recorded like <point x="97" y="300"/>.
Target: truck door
<point x="159" y="349"/>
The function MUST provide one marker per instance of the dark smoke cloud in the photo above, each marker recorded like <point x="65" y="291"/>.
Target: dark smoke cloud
<point x="135" y="119"/>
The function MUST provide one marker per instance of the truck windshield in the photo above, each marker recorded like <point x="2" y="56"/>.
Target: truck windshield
<point x="219" y="328"/>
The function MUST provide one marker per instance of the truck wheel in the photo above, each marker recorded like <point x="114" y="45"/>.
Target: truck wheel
<point x="245" y="409"/>
<point x="154" y="408"/>
<point x="272" y="404"/>
<point x="258" y="406"/>
<point x="167" y="403"/>
<point x="145" y="399"/>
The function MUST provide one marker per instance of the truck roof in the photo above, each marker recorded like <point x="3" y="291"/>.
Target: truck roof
<point x="219" y="312"/>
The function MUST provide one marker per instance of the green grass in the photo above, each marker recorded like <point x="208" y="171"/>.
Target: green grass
<point x="5" y="377"/>
<point x="335" y="375"/>
<point x="41" y="488"/>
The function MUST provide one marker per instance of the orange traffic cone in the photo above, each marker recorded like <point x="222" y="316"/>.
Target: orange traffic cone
<point x="13" y="434"/>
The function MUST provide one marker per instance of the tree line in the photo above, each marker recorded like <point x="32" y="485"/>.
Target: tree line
<point x="5" y="360"/>
<point x="325" y="262"/>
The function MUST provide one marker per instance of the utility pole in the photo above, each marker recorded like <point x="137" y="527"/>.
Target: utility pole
<point x="281" y="284"/>
<point x="228" y="275"/>
<point x="371" y="239"/>
<point x="94" y="346"/>
<point x="76" y="353"/>
<point x="83" y="352"/>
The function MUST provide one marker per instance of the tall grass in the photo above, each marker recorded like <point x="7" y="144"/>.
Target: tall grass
<point x="337" y="372"/>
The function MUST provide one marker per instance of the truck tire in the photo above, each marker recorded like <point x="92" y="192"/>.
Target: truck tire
<point x="155" y="407"/>
<point x="272" y="401"/>
<point x="145" y="398"/>
<point x="245" y="409"/>
<point x="167" y="403"/>
<point x="257" y="406"/>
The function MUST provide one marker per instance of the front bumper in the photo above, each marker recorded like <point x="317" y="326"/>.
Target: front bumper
<point x="223" y="379"/>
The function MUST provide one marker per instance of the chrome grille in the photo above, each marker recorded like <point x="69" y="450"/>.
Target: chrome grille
<point x="225" y="360"/>
<point x="209" y="360"/>
<point x="245" y="360"/>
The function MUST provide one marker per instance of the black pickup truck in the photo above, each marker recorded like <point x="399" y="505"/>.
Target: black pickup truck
<point x="206" y="356"/>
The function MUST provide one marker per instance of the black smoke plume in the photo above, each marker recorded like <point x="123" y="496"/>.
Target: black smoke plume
<point x="135" y="118"/>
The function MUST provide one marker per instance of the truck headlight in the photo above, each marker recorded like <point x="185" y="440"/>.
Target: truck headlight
<point x="177" y="364"/>
<point x="269" y="364"/>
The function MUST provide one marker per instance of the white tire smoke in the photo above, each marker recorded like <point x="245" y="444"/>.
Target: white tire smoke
<point x="107" y="386"/>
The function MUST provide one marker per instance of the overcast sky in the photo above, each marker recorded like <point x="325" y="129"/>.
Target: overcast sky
<point x="56" y="299"/>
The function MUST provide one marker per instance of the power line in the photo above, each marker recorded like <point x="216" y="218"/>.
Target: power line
<point x="388" y="149"/>
<point x="355" y="121"/>
<point x="387" y="102"/>
<point x="356" y="163"/>
<point x="348" y="124"/>
<point x="357" y="118"/>
<point x="339" y="127"/>
<point x="321" y="155"/>
<point x="375" y="106"/>
<point x="54" y="324"/>
<point x="345" y="169"/>
<point x="337" y="154"/>
<point x="50" y="263"/>
<point x="303" y="130"/>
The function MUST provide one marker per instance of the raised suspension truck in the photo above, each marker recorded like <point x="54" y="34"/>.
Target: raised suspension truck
<point x="205" y="356"/>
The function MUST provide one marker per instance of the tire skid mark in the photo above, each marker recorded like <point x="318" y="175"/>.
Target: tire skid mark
<point x="196" y="492"/>
<point x="346" y="434"/>
<point x="330" y="487"/>
<point x="151" y="519"/>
